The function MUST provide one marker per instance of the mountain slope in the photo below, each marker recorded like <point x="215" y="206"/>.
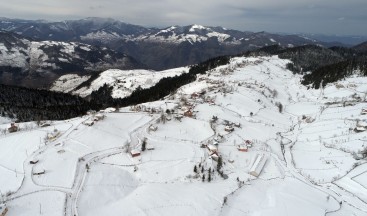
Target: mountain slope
<point x="159" y="49"/>
<point x="245" y="130"/>
<point x="37" y="64"/>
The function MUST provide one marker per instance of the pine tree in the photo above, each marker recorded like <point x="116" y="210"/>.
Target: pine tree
<point x="219" y="164"/>
<point x="203" y="179"/>
<point x="195" y="169"/>
<point x="144" y="144"/>
<point x="202" y="169"/>
<point x="209" y="176"/>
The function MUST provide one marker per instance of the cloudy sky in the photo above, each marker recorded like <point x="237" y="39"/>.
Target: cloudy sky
<point x="342" y="17"/>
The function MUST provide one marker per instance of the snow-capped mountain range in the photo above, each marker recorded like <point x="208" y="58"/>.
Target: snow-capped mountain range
<point x="158" y="48"/>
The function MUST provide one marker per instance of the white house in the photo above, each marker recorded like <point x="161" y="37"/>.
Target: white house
<point x="212" y="148"/>
<point x="229" y="128"/>
<point x="153" y="128"/>
<point x="150" y="146"/>
<point x="258" y="165"/>
<point x="38" y="171"/>
<point x="359" y="129"/>
<point x="362" y="124"/>
<point x="89" y="123"/>
<point x="99" y="116"/>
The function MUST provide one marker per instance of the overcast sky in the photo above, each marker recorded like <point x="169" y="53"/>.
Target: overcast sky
<point x="342" y="17"/>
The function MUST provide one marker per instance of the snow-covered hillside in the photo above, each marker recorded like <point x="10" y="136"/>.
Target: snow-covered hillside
<point x="23" y="60"/>
<point x="192" y="34"/>
<point x="282" y="149"/>
<point x="124" y="82"/>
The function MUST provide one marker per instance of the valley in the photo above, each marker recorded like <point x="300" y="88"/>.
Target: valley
<point x="202" y="145"/>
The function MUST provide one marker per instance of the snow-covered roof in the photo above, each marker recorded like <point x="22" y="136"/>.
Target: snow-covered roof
<point x="135" y="151"/>
<point x="258" y="165"/>
<point x="212" y="147"/>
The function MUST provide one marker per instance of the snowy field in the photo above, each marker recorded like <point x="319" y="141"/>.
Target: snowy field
<point x="312" y="159"/>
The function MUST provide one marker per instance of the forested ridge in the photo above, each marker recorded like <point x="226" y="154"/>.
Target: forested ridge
<point x="26" y="104"/>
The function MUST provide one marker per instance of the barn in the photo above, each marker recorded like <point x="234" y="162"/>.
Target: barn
<point x="135" y="153"/>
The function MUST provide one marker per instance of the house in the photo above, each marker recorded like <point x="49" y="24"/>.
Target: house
<point x="214" y="156"/>
<point x="237" y="124"/>
<point x="98" y="117"/>
<point x="13" y="128"/>
<point x="150" y="146"/>
<point x="89" y="123"/>
<point x="194" y="95"/>
<point x="53" y="134"/>
<point x="34" y="161"/>
<point x="153" y="128"/>
<point x="3" y="209"/>
<point x="242" y="148"/>
<point x="212" y="148"/>
<point x="229" y="128"/>
<point x="45" y="124"/>
<point x="362" y="124"/>
<point x="135" y="153"/>
<point x="38" y="172"/>
<point x="110" y="109"/>
<point x="178" y="117"/>
<point x="364" y="111"/>
<point x="258" y="165"/>
<point x="188" y="113"/>
<point x="359" y="129"/>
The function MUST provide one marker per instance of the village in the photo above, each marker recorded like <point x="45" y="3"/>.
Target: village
<point x="239" y="136"/>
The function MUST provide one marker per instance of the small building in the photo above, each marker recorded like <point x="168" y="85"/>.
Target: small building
<point x="110" y="109"/>
<point x="258" y="165"/>
<point x="237" y="124"/>
<point x="38" y="172"/>
<point x="150" y="146"/>
<point x="359" y="129"/>
<point x="45" y="124"/>
<point x="362" y="124"/>
<point x="153" y="128"/>
<point x="229" y="128"/>
<point x="212" y="148"/>
<point x="98" y="117"/>
<point x="188" y="113"/>
<point x="178" y="117"/>
<point x="34" y="161"/>
<point x="214" y="156"/>
<point x="13" y="128"/>
<point x="3" y="209"/>
<point x="53" y="135"/>
<point x="364" y="111"/>
<point x="194" y="95"/>
<point x="242" y="148"/>
<point x="89" y="123"/>
<point x="135" y="153"/>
